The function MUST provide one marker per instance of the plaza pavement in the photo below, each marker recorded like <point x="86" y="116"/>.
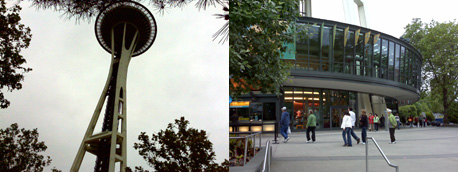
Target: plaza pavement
<point x="430" y="149"/>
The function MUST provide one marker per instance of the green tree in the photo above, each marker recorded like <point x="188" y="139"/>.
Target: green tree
<point x="257" y="34"/>
<point x="19" y="150"/>
<point x="438" y="44"/>
<point x="178" y="148"/>
<point x="14" y="37"/>
<point x="453" y="112"/>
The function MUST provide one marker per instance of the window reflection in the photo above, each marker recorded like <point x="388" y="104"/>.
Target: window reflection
<point x="328" y="49"/>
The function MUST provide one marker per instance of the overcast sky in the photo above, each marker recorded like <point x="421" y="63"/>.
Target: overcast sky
<point x="389" y="16"/>
<point x="184" y="73"/>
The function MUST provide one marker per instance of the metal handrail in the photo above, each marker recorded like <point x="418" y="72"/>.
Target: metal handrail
<point x="246" y="144"/>
<point x="267" y="157"/>
<point x="381" y="152"/>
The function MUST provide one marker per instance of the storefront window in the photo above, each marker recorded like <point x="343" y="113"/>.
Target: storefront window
<point x="298" y="115"/>
<point x="256" y="112"/>
<point x="326" y="106"/>
<point x="322" y="102"/>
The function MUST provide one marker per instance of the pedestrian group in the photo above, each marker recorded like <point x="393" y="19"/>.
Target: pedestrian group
<point x="370" y="123"/>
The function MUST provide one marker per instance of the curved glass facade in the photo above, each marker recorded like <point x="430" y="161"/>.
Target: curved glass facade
<point x="342" y="48"/>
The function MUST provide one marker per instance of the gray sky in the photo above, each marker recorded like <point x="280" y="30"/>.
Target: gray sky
<point x="184" y="73"/>
<point x="389" y="16"/>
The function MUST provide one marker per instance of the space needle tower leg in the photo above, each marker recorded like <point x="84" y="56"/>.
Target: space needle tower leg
<point x="115" y="133"/>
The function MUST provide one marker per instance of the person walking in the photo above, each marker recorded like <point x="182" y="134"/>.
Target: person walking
<point x="398" y="120"/>
<point x="392" y="125"/>
<point x="363" y="121"/>
<point x="410" y="121"/>
<point x="311" y="125"/>
<point x="353" y="120"/>
<point x="346" y="127"/>
<point x="284" y="122"/>
<point x="376" y="122"/>
<point x="371" y="122"/>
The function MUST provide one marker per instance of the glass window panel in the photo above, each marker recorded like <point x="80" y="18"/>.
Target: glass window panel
<point x="414" y="70"/>
<point x="360" y="55"/>
<point x="397" y="57"/>
<point x="344" y="98"/>
<point x="368" y="57"/>
<point x="301" y="61"/>
<point x="402" y="72"/>
<point x="339" y="51"/>
<point x="384" y="59"/>
<point x="298" y="109"/>
<point x="409" y="63"/>
<point x="391" y="61"/>
<point x="335" y="98"/>
<point x="326" y="108"/>
<point x="269" y="112"/>
<point x="377" y="58"/>
<point x="302" y="51"/>
<point x="314" y="50"/>
<point x="349" y="53"/>
<point x="326" y="48"/>
<point x="256" y="112"/>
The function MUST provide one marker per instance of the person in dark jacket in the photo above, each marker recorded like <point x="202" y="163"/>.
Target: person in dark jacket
<point x="363" y="121"/>
<point x="284" y="122"/>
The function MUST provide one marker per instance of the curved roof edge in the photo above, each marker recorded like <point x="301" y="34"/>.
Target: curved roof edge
<point x="346" y="82"/>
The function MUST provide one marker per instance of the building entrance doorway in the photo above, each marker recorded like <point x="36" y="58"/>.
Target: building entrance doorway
<point x="337" y="113"/>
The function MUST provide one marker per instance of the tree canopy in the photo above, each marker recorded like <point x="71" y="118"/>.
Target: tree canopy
<point x="438" y="43"/>
<point x="258" y="33"/>
<point x="88" y="9"/>
<point x="14" y="37"/>
<point x="20" y="150"/>
<point x="178" y="148"/>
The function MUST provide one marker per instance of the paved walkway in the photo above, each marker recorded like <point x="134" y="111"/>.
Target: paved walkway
<point x="417" y="149"/>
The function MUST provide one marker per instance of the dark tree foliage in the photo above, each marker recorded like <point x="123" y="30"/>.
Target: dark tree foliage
<point x="19" y="150"/>
<point x="178" y="148"/>
<point x="88" y="9"/>
<point x="14" y="37"/>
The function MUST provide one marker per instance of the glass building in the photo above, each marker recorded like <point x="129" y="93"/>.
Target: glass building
<point x="339" y="66"/>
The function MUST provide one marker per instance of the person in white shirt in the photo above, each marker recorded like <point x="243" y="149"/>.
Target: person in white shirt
<point x="346" y="127"/>
<point x="353" y="119"/>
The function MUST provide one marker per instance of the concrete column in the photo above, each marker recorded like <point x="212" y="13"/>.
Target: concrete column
<point x="364" y="103"/>
<point x="361" y="13"/>
<point x="306" y="8"/>
<point x="379" y="105"/>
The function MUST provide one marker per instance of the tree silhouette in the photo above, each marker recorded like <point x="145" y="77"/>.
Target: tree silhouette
<point x="14" y="37"/>
<point x="178" y="148"/>
<point x="19" y="150"/>
<point x="88" y="9"/>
